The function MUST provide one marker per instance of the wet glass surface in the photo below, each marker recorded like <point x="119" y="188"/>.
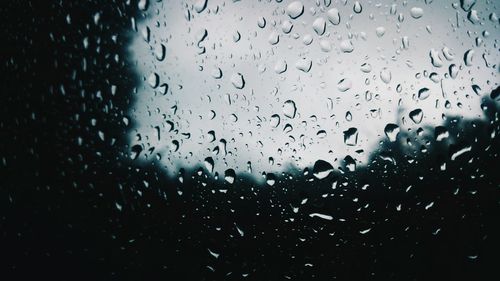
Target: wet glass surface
<point x="250" y="140"/>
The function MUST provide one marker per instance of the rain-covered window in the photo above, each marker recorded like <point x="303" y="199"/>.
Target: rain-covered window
<point x="250" y="140"/>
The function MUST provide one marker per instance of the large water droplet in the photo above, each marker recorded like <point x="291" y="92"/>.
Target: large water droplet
<point x="280" y="66"/>
<point x="351" y="136"/>
<point x="467" y="4"/>
<point x="350" y="163"/>
<point x="229" y="176"/>
<point x="357" y="7"/>
<point x="333" y="16"/>
<point x="416" y="12"/>
<point x="423" y="93"/>
<point x="200" y="5"/>
<point x="295" y="9"/>
<point x="391" y="131"/>
<point x="289" y="109"/>
<point x="304" y="65"/>
<point x="322" y="169"/>
<point x="209" y="164"/>
<point x="319" y="25"/>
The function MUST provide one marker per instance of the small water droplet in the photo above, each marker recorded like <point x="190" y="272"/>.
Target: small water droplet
<point x="416" y="12"/>
<point x="344" y="84"/>
<point x="238" y="81"/>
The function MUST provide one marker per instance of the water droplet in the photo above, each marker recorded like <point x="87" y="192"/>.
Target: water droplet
<point x="495" y="94"/>
<point x="261" y="22"/>
<point x="385" y="75"/>
<point x="416" y="12"/>
<point x="467" y="4"/>
<point x="229" y="176"/>
<point x="365" y="231"/>
<point x="319" y="25"/>
<point x="434" y="77"/>
<point x="274" y="38"/>
<point x="351" y="136"/>
<point x="322" y="169"/>
<point x="142" y="5"/>
<point x="416" y="115"/>
<point x="447" y="54"/>
<point x="307" y="39"/>
<point x="160" y="52"/>
<point x="348" y="116"/>
<point x="216" y="73"/>
<point x="391" y="131"/>
<point x="322" y="216"/>
<point x="212" y="253"/>
<point x="174" y="145"/>
<point x="366" y="67"/>
<point x="406" y="42"/>
<point x="238" y="80"/>
<point x="154" y="80"/>
<point x="435" y="58"/>
<point x="468" y="57"/>
<point x="211" y="136"/>
<point x="456" y="151"/>
<point x="286" y="26"/>
<point x="200" y="5"/>
<point x="295" y="9"/>
<point x="236" y="36"/>
<point x="357" y="7"/>
<point x="473" y="17"/>
<point x="325" y="45"/>
<point x="274" y="120"/>
<point x="289" y="109"/>
<point x="321" y="134"/>
<point x="476" y="89"/>
<point x="350" y="163"/>
<point x="453" y="71"/>
<point x="344" y="84"/>
<point x="304" y="65"/>
<point x="333" y="16"/>
<point x="270" y="179"/>
<point x="135" y="151"/>
<point x="209" y="164"/>
<point x="280" y="66"/>
<point x="380" y="31"/>
<point x="441" y="133"/>
<point x="423" y="93"/>
<point x="346" y="46"/>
